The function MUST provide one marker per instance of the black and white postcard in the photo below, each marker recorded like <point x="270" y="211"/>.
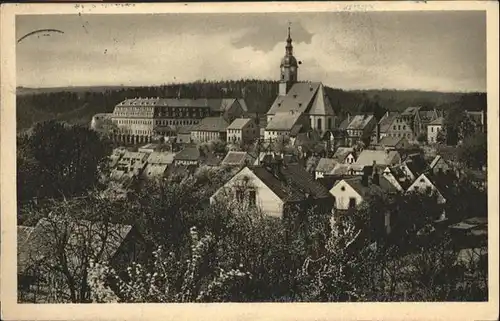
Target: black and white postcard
<point x="281" y="161"/>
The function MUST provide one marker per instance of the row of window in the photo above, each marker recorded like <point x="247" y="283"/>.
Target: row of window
<point x="134" y="122"/>
<point x="398" y="127"/>
<point x="252" y="197"/>
<point x="319" y="123"/>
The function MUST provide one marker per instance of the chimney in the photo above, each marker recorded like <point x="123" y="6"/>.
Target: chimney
<point x="375" y="175"/>
<point x="364" y="180"/>
<point x="377" y="133"/>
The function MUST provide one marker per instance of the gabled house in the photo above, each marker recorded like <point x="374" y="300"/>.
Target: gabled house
<point x="188" y="156"/>
<point x="227" y="108"/>
<point x="324" y="166"/>
<point x="429" y="184"/>
<point x="359" y="127"/>
<point x="379" y="157"/>
<point x="439" y="165"/>
<point x="210" y="129"/>
<point x="345" y="155"/>
<point x="275" y="189"/>
<point x="350" y="193"/>
<point x="392" y="125"/>
<point x="285" y="124"/>
<point x="242" y="130"/>
<point x="433" y="130"/>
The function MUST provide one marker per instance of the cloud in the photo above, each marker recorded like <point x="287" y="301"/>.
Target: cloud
<point x="351" y="51"/>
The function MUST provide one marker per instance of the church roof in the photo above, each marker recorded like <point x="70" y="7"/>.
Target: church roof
<point x="283" y="121"/>
<point x="299" y="98"/>
<point x="321" y="104"/>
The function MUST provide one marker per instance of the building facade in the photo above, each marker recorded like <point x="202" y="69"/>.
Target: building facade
<point x="433" y="129"/>
<point x="242" y="130"/>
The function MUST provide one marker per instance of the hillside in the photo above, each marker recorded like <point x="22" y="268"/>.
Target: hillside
<point x="78" y="104"/>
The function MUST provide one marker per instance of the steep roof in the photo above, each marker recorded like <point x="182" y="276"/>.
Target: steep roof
<point x="427" y="115"/>
<point x="435" y="161"/>
<point x="342" y="152"/>
<point x="283" y="121"/>
<point x="387" y="120"/>
<point x="367" y="157"/>
<point x="40" y="242"/>
<point x="326" y="165"/>
<point x="239" y="123"/>
<point x="411" y="111"/>
<point x="188" y="154"/>
<point x="290" y="182"/>
<point x="243" y="104"/>
<point x="391" y="141"/>
<point x="234" y="158"/>
<point x="400" y="177"/>
<point x="212" y="124"/>
<point x="343" y="125"/>
<point x="161" y="158"/>
<point x="361" y="189"/>
<point x="298" y="99"/>
<point x="360" y="122"/>
<point x="437" y="121"/>
<point x="321" y="104"/>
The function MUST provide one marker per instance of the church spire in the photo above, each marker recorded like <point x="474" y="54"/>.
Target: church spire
<point x="289" y="47"/>
<point x="288" y="67"/>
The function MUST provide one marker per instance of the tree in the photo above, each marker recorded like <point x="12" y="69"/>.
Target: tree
<point x="67" y="158"/>
<point x="473" y="151"/>
<point x="58" y="256"/>
<point x="422" y="138"/>
<point x="191" y="278"/>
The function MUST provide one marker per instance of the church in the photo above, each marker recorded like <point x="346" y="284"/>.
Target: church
<point x="299" y="106"/>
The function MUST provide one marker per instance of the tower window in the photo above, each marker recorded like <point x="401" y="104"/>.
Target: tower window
<point x="319" y="123"/>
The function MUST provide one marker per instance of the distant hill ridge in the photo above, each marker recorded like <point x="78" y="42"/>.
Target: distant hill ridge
<point x="79" y="104"/>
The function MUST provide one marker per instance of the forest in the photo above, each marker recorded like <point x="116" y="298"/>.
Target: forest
<point x="78" y="105"/>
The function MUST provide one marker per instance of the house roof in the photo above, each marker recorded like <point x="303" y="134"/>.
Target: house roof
<point x="211" y="124"/>
<point x="415" y="166"/>
<point x="411" y="111"/>
<point x="390" y="141"/>
<point x="359" y="122"/>
<point x="283" y="121"/>
<point x="401" y="177"/>
<point x="435" y="161"/>
<point x="290" y="182"/>
<point x="326" y="165"/>
<point x="342" y="152"/>
<point x="215" y="104"/>
<point x="298" y="98"/>
<point x="357" y="185"/>
<point x="380" y="157"/>
<point x="438" y="121"/>
<point x="387" y="120"/>
<point x="243" y="104"/>
<point x="239" y="123"/>
<point x="343" y="125"/>
<point x="386" y="185"/>
<point x="155" y="169"/>
<point x="188" y="154"/>
<point x="41" y="242"/>
<point x="427" y="115"/>
<point x="236" y="158"/>
<point x="161" y="158"/>
<point x="328" y="181"/>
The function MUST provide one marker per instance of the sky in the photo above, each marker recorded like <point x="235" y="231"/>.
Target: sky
<point x="438" y="51"/>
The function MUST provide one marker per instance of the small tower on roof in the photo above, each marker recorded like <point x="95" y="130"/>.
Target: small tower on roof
<point x="288" y="67"/>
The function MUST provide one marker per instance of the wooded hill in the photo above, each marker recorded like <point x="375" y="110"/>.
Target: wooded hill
<point x="77" y="105"/>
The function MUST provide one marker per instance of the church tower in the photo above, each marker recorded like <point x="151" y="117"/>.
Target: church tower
<point x="288" y="68"/>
